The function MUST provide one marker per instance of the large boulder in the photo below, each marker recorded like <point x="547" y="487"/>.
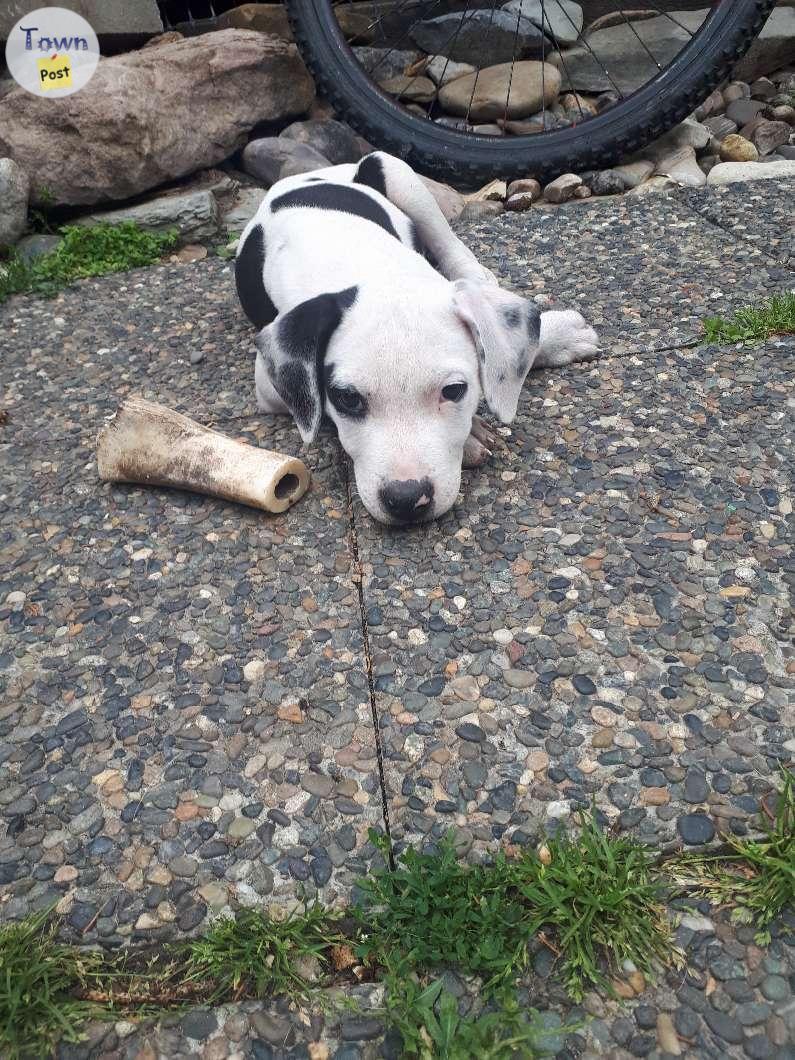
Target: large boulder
<point x="14" y="191"/>
<point x="150" y="116"/>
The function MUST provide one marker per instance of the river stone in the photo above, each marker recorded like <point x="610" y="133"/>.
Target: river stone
<point x="410" y="89"/>
<point x="37" y="245"/>
<point x="528" y="91"/>
<point x="561" y="190"/>
<point x="442" y="70"/>
<point x="634" y="173"/>
<point x="92" y="142"/>
<point x="619" y="51"/>
<point x="736" y="148"/>
<point x="695" y="828"/>
<point x="383" y="63"/>
<point x="331" y="139"/>
<point x="194" y="214"/>
<point x="731" y="172"/>
<point x="263" y="18"/>
<point x="482" y="38"/>
<point x="561" y="20"/>
<point x="265" y="158"/>
<point x="681" y="166"/>
<point x="14" y="191"/>
<point x="769" y="135"/>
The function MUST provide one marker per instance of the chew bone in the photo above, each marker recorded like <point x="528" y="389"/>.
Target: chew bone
<point x="155" y="446"/>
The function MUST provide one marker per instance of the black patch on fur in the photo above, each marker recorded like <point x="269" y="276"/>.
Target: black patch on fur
<point x="418" y="245"/>
<point x="370" y="171"/>
<point x="306" y="330"/>
<point x="342" y="197"/>
<point x="304" y="335"/>
<point x="295" y="389"/>
<point x="522" y="362"/>
<point x="257" y="306"/>
<point x="533" y="323"/>
<point x="511" y="316"/>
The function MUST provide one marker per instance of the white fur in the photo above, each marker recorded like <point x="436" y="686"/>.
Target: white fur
<point x="411" y="331"/>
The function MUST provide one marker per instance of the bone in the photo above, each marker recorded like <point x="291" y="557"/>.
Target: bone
<point x="152" y="445"/>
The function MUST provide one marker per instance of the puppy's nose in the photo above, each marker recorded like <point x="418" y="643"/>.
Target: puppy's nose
<point x="407" y="500"/>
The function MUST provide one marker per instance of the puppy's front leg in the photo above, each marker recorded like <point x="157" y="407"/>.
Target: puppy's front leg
<point x="481" y="443"/>
<point x="565" y="337"/>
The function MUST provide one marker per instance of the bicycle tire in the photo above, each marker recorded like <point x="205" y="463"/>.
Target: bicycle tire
<point x="469" y="158"/>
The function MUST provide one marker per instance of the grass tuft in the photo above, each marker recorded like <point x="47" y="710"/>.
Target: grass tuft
<point x="757" y="877"/>
<point x="776" y="316"/>
<point x="257" y="955"/>
<point x="38" y="980"/>
<point x="596" y="895"/>
<point x="84" y="251"/>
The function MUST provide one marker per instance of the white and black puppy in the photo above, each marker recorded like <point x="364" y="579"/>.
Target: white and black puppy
<point x="371" y="311"/>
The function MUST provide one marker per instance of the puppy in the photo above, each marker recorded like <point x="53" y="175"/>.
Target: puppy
<point x="371" y="311"/>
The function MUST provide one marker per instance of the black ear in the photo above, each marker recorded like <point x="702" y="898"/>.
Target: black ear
<point x="293" y="349"/>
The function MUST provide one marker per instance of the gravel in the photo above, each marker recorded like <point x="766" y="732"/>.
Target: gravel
<point x="604" y="616"/>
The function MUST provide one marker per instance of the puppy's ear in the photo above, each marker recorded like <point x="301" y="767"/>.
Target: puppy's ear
<point x="505" y="330"/>
<point x="293" y="350"/>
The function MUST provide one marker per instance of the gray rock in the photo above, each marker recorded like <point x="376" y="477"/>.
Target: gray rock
<point x="561" y="190"/>
<point x="607" y="182"/>
<point x="561" y="20"/>
<point x="35" y="246"/>
<point x="623" y="50"/>
<point x="14" y="191"/>
<point x="332" y="139"/>
<point x="742" y="111"/>
<point x="265" y="158"/>
<point x="482" y="38"/>
<point x="770" y="135"/>
<point x="247" y="202"/>
<point x="695" y="828"/>
<point x="194" y="214"/>
<point x="383" y="63"/>
<point x="236" y="78"/>
<point x="199" y="1024"/>
<point x="531" y="84"/>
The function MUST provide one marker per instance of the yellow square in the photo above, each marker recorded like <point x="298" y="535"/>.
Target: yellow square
<point x="55" y="72"/>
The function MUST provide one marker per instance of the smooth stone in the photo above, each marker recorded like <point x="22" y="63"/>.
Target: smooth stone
<point x="442" y="70"/>
<point x="619" y="50"/>
<point x="415" y="89"/>
<point x="737" y="149"/>
<point x="561" y="20"/>
<point x="525" y="186"/>
<point x="481" y="37"/>
<point x="331" y="139"/>
<point x="742" y="111"/>
<point x="265" y="157"/>
<point x="477" y="211"/>
<point x="695" y="828"/>
<point x="634" y="173"/>
<point x="36" y="246"/>
<point x="731" y="172"/>
<point x="491" y="90"/>
<point x="562" y="190"/>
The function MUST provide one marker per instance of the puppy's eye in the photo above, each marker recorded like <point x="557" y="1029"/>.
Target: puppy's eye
<point x="454" y="391"/>
<point x="347" y="401"/>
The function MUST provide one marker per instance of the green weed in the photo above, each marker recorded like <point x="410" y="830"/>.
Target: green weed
<point x="84" y="252"/>
<point x="776" y="316"/>
<point x="38" y="981"/>
<point x="256" y="955"/>
<point x="758" y="877"/>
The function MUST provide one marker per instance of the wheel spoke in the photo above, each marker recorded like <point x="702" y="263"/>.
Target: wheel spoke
<point x="477" y="73"/>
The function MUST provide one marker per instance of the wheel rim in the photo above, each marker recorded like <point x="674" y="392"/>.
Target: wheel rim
<point x="588" y="110"/>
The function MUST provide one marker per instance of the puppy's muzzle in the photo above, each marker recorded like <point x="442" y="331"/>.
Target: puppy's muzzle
<point x="407" y="500"/>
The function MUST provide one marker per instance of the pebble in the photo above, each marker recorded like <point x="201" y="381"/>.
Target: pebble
<point x="695" y="828"/>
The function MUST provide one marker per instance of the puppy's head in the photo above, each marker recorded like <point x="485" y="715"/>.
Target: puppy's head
<point x="401" y="376"/>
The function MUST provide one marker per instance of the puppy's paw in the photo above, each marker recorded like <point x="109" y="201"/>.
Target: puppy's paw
<point x="565" y="337"/>
<point x="481" y="443"/>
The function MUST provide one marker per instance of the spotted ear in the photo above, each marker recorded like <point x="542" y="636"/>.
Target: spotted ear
<point x="505" y="330"/>
<point x="293" y="350"/>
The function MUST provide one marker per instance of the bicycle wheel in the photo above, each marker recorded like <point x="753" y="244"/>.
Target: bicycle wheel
<point x="540" y="87"/>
